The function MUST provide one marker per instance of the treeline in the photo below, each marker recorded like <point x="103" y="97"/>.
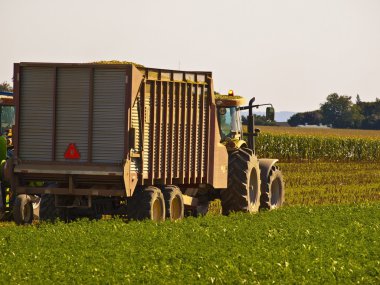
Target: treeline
<point x="5" y="86"/>
<point x="259" y="121"/>
<point x="340" y="112"/>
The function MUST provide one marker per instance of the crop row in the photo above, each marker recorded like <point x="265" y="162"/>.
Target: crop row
<point x="289" y="147"/>
<point x="323" y="132"/>
<point x="331" y="183"/>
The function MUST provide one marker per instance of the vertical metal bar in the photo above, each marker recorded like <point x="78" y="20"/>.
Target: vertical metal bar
<point x="188" y="131"/>
<point x="208" y="131"/>
<point x="152" y="155"/>
<point x="195" y="132"/>
<point x="183" y="123"/>
<point x="127" y="112"/>
<point x="90" y="114"/>
<point x="171" y="129"/>
<point x="142" y="132"/>
<point x="178" y="122"/>
<point x="165" y="138"/>
<point x="16" y="95"/>
<point x="54" y="119"/>
<point x="158" y="129"/>
<point x="201" y="143"/>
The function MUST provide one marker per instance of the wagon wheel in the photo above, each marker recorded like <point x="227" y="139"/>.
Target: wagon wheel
<point x="23" y="209"/>
<point x="174" y="205"/>
<point x="147" y="203"/>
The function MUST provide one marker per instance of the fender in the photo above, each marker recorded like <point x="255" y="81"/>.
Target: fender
<point x="265" y="165"/>
<point x="241" y="143"/>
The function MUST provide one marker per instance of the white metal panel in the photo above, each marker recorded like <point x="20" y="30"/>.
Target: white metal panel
<point x="108" y="115"/>
<point x="73" y="87"/>
<point x="36" y="113"/>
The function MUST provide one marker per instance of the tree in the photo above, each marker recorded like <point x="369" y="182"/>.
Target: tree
<point x="340" y="112"/>
<point x="310" y="118"/>
<point x="371" y="113"/>
<point x="259" y="121"/>
<point x="5" y="86"/>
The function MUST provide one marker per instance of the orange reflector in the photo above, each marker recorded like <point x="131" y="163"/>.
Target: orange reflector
<point x="72" y="152"/>
<point x="230" y="93"/>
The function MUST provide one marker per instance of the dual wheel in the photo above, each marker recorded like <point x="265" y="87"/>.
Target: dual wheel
<point x="156" y="205"/>
<point x="25" y="207"/>
<point x="247" y="191"/>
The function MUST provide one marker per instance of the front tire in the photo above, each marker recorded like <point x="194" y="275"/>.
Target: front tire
<point x="23" y="209"/>
<point x="243" y="191"/>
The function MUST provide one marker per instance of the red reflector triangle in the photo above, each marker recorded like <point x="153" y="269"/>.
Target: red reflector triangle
<point x="72" y="152"/>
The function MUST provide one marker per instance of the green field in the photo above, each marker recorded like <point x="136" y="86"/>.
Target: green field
<point x="292" y="245"/>
<point x="331" y="183"/>
<point x="328" y="231"/>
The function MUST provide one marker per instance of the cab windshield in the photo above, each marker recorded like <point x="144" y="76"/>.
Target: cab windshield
<point x="7" y="118"/>
<point x="229" y="122"/>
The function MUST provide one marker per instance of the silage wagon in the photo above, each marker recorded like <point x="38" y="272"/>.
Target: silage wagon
<point x="126" y="139"/>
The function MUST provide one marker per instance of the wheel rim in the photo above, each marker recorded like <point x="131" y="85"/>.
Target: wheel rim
<point x="176" y="208"/>
<point x="276" y="190"/>
<point x="253" y="187"/>
<point x="36" y="204"/>
<point x="157" y="210"/>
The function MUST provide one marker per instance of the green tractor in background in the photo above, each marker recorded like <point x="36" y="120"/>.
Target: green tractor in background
<point x="7" y="120"/>
<point x="7" y="117"/>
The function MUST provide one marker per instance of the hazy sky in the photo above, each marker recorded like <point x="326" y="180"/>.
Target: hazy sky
<point x="292" y="53"/>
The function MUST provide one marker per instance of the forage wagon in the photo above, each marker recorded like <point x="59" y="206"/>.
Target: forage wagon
<point x="123" y="138"/>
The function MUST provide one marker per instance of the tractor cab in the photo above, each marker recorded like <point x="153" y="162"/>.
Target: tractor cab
<point x="229" y="117"/>
<point x="230" y="124"/>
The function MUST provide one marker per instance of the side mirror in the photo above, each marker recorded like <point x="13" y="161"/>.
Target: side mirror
<point x="270" y="114"/>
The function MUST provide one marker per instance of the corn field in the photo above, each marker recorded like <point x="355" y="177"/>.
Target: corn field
<point x="292" y="147"/>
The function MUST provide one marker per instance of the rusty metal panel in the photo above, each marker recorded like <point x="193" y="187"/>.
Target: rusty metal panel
<point x="108" y="115"/>
<point x="36" y="113"/>
<point x="73" y="86"/>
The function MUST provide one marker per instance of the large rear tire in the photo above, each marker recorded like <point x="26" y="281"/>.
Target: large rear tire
<point x="273" y="190"/>
<point x="23" y="209"/>
<point x="175" y="208"/>
<point x="147" y="203"/>
<point x="243" y="191"/>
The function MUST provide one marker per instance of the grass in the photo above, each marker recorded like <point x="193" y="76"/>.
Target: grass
<point x="320" y="244"/>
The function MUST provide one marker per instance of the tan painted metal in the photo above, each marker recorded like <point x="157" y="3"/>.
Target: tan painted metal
<point x="170" y="137"/>
<point x="190" y="201"/>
